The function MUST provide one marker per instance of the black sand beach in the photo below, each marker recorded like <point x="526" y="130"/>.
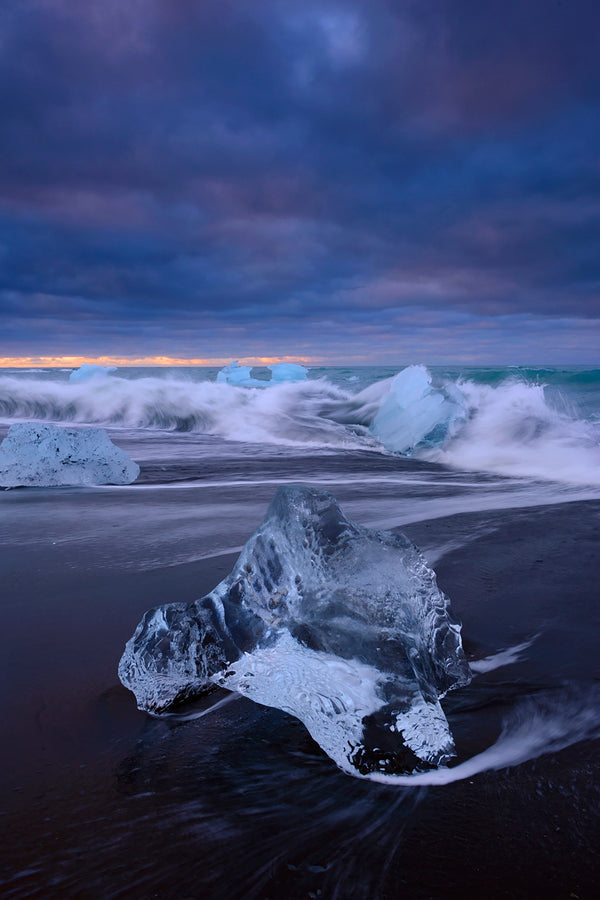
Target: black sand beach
<point x="101" y="801"/>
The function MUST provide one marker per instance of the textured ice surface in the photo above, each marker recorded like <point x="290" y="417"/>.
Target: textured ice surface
<point x="339" y="625"/>
<point x="35" y="454"/>
<point x="89" y="370"/>
<point x="414" y="414"/>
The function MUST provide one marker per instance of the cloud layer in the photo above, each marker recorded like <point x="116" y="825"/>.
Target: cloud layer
<point x="378" y="180"/>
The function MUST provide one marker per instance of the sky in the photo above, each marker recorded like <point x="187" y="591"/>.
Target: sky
<point x="362" y="181"/>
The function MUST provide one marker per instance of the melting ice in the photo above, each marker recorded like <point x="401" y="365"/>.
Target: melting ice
<point x="339" y="625"/>
<point x="36" y="454"/>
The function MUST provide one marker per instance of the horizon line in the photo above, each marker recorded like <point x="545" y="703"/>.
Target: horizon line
<point x="74" y="362"/>
<point x="123" y="362"/>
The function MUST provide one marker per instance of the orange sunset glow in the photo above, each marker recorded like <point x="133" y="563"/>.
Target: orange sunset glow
<point x="26" y="362"/>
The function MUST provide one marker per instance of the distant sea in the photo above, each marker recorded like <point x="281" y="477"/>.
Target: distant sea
<point x="493" y="472"/>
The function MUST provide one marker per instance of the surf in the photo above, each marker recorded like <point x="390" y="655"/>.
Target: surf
<point x="540" y="424"/>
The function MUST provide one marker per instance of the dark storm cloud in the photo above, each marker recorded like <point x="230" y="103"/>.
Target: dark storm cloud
<point x="225" y="164"/>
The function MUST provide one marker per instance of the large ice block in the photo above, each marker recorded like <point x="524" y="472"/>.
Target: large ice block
<point x="339" y="625"/>
<point x="413" y="413"/>
<point x="41" y="455"/>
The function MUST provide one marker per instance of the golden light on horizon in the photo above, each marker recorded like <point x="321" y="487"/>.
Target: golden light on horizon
<point x="74" y="362"/>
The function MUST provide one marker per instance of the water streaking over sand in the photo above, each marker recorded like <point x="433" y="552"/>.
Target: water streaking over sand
<point x="528" y="423"/>
<point x="541" y="724"/>
<point x="538" y="725"/>
<point x="502" y="658"/>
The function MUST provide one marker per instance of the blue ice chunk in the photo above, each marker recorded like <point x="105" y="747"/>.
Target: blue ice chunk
<point x="90" y="370"/>
<point x="238" y="375"/>
<point x="281" y="372"/>
<point x="415" y="414"/>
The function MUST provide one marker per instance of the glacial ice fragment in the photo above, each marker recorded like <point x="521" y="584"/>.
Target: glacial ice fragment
<point x="413" y="413"/>
<point x="238" y="375"/>
<point x="339" y="625"/>
<point x="41" y="455"/>
<point x="280" y="373"/>
<point x="90" y="370"/>
<point x="284" y="372"/>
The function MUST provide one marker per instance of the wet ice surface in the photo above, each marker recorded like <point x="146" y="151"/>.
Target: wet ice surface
<point x="339" y="625"/>
<point x="239" y="802"/>
<point x="413" y="414"/>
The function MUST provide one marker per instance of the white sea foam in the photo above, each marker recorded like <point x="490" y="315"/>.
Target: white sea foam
<point x="513" y="430"/>
<point x="538" y="725"/>
<point x="288" y="413"/>
<point x="510" y="428"/>
<point x="505" y="657"/>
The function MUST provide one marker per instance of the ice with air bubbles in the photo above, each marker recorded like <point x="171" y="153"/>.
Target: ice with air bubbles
<point x="341" y="626"/>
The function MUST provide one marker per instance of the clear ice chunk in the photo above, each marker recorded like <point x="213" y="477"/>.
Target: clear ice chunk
<point x="41" y="455"/>
<point x="413" y="413"/>
<point x="339" y="625"/>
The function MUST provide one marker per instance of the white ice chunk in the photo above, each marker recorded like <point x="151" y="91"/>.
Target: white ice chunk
<point x="90" y="370"/>
<point x="414" y="413"/>
<point x="35" y="454"/>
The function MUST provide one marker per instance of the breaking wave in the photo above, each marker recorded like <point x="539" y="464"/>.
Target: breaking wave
<point x="514" y="430"/>
<point x="284" y="413"/>
<point x="512" y="425"/>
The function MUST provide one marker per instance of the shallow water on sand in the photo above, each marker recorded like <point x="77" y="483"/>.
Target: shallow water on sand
<point x="100" y="801"/>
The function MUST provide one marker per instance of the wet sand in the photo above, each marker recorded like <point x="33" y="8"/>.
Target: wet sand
<point x="100" y="801"/>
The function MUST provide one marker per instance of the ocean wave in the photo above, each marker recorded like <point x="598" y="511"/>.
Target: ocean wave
<point x="513" y="429"/>
<point x="288" y="413"/>
<point x="517" y="426"/>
